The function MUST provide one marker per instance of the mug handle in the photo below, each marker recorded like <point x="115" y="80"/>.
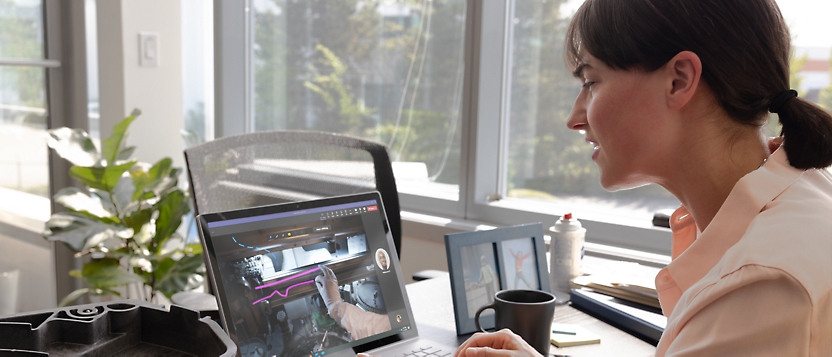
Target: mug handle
<point x="477" y="316"/>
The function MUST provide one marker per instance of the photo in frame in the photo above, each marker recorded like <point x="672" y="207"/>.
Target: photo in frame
<point x="484" y="262"/>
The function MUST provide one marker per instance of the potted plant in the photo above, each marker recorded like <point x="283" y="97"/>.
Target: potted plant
<point x="125" y="219"/>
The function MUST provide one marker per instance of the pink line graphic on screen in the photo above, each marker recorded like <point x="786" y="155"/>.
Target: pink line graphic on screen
<point x="282" y="295"/>
<point x="283" y="281"/>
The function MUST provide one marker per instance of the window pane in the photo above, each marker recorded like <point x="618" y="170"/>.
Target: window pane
<point x="23" y="151"/>
<point x="24" y="170"/>
<point x="388" y="71"/>
<point x="547" y="161"/>
<point x="812" y="46"/>
<point x="21" y="29"/>
<point x="551" y="163"/>
<point x="198" y="70"/>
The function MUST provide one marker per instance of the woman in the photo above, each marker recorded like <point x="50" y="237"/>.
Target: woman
<point x="675" y="93"/>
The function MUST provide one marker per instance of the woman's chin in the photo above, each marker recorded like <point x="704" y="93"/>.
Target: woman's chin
<point x="613" y="184"/>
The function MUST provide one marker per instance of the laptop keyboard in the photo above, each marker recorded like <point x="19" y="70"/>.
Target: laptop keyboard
<point x="427" y="352"/>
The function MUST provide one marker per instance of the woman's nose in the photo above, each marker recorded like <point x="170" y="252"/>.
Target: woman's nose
<point x="577" y="118"/>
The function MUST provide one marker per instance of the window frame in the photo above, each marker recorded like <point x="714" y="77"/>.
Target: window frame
<point x="484" y="104"/>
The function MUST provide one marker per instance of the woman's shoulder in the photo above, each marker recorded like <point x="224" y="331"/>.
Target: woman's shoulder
<point x="792" y="234"/>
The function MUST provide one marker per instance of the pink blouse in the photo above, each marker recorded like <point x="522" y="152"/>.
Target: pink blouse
<point x="758" y="280"/>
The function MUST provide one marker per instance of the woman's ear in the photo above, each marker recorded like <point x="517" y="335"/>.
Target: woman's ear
<point x="684" y="73"/>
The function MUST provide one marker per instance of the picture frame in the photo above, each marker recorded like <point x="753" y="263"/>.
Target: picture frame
<point x="484" y="262"/>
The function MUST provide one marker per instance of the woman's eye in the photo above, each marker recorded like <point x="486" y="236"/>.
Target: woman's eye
<point x="588" y="84"/>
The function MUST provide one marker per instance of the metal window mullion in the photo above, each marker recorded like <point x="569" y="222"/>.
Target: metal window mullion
<point x="43" y="63"/>
<point x="66" y="105"/>
<point x="230" y="73"/>
<point x="505" y="100"/>
<point x="485" y="148"/>
<point x="249" y="70"/>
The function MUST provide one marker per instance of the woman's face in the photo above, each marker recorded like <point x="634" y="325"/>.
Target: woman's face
<point x="622" y="114"/>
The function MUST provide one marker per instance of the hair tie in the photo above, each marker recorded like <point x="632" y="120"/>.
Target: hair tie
<point x="777" y="102"/>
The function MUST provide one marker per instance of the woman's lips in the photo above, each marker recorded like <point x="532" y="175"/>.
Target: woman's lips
<point x="595" y="148"/>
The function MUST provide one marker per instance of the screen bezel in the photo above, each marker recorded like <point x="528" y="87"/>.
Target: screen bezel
<point x="212" y="267"/>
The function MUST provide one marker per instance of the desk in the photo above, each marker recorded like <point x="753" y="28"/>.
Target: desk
<point x="434" y="313"/>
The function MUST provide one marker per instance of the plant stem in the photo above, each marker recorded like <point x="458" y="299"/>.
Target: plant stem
<point x="115" y="206"/>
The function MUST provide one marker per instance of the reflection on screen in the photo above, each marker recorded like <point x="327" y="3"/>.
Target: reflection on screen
<point x="275" y="304"/>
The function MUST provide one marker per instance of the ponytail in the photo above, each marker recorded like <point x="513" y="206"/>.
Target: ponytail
<point x="807" y="133"/>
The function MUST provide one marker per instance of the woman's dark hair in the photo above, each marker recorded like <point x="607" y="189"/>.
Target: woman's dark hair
<point x="744" y="46"/>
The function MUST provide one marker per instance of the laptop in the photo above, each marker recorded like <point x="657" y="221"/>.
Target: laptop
<point x="264" y="261"/>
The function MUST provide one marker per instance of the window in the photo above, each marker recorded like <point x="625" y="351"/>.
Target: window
<point x="493" y="140"/>
<point x="812" y="48"/>
<point x="547" y="161"/>
<point x="389" y="71"/>
<point x="23" y="115"/>
<point x="198" y="71"/>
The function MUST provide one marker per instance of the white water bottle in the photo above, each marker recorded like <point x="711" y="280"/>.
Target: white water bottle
<point x="566" y="252"/>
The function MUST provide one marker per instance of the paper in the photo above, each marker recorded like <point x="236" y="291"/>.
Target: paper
<point x="630" y="288"/>
<point x="582" y="336"/>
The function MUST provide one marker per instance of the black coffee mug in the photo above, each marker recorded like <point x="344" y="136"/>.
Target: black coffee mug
<point x="528" y="313"/>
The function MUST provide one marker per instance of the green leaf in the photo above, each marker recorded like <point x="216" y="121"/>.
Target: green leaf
<point x="80" y="232"/>
<point x="106" y="201"/>
<point x="138" y="219"/>
<point x="160" y="178"/>
<point x="102" y="178"/>
<point x="71" y="297"/>
<point x="123" y="196"/>
<point x="171" y="209"/>
<point x="126" y="153"/>
<point x="107" y="273"/>
<point x="103" y="291"/>
<point x="73" y="199"/>
<point x="175" y="244"/>
<point x="111" y="147"/>
<point x="193" y="248"/>
<point x="160" y="169"/>
<point x="74" y="145"/>
<point x="173" y="276"/>
<point x="145" y="234"/>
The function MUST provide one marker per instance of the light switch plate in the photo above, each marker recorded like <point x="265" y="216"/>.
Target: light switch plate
<point x="149" y="49"/>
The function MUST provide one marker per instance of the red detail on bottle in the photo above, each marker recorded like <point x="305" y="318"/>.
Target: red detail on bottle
<point x="567" y="216"/>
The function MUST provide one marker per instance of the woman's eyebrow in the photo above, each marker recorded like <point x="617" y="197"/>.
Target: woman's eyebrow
<point x="579" y="70"/>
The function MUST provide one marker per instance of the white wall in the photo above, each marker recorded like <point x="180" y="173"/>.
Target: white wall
<point x="36" y="287"/>
<point x="124" y="85"/>
<point x="421" y="254"/>
<point x="423" y="241"/>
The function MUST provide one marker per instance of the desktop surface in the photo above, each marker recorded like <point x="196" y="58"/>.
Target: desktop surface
<point x="434" y="314"/>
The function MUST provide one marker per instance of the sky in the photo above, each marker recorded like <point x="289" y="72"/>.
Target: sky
<point x="810" y="21"/>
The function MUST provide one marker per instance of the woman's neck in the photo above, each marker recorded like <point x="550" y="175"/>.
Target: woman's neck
<point x="715" y="156"/>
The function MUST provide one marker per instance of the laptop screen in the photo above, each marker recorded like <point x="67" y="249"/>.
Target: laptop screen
<point x="307" y="279"/>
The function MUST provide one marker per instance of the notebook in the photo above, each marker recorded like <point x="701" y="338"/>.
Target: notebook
<point x="568" y="335"/>
<point x="263" y="262"/>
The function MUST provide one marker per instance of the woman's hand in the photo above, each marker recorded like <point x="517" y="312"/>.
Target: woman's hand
<point x="500" y="343"/>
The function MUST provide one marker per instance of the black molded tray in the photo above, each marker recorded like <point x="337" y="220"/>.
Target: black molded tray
<point x="119" y="328"/>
